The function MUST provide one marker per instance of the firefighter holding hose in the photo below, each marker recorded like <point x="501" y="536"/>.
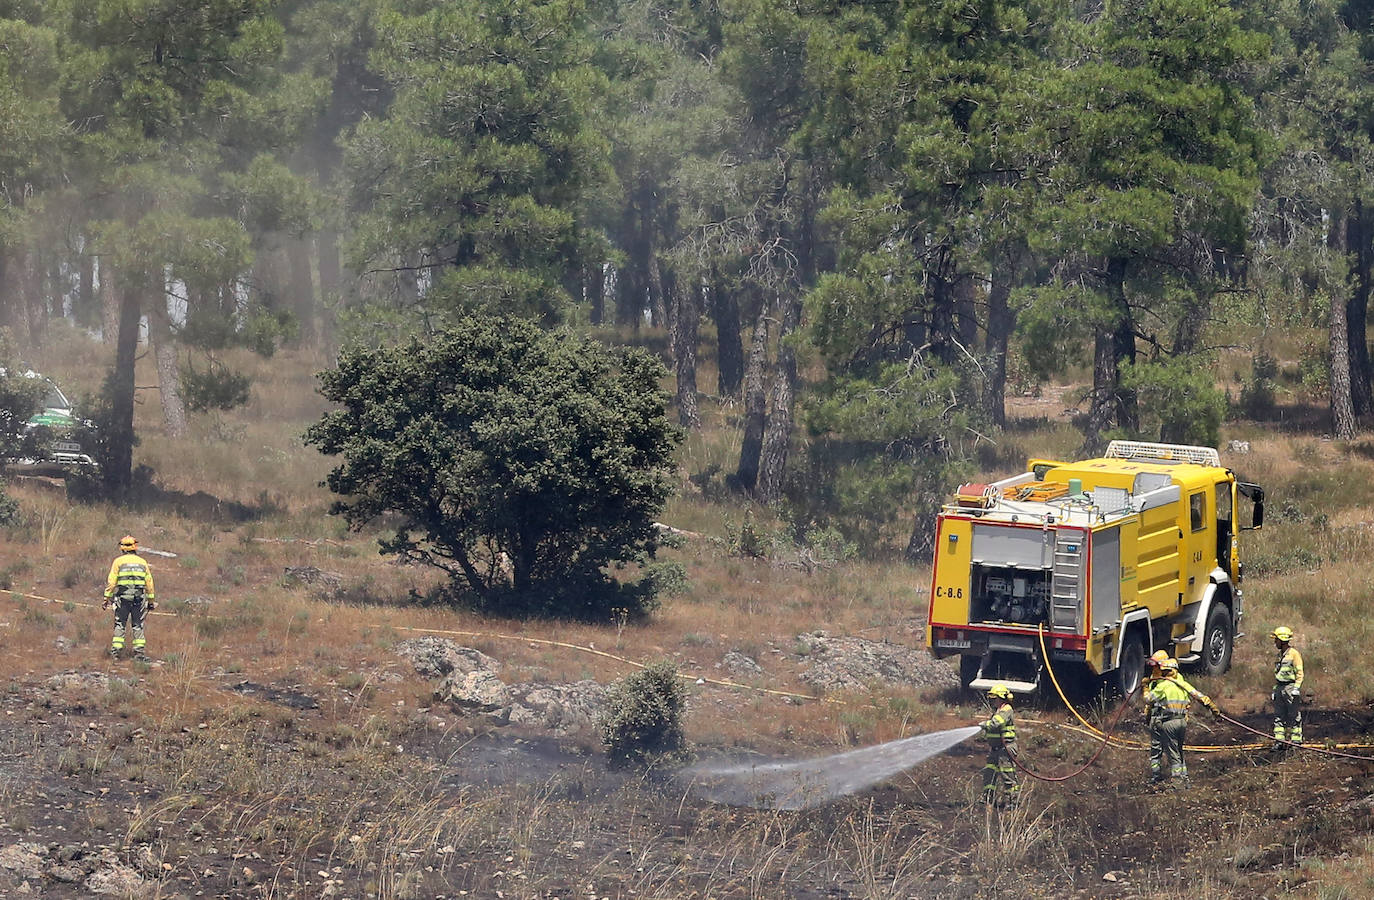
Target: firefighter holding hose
<point x="1000" y="785"/>
<point x="1167" y="699"/>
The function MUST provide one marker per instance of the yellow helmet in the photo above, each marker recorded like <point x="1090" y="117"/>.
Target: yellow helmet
<point x="1159" y="658"/>
<point x="1282" y="633"/>
<point x="999" y="691"/>
<point x="1169" y="665"/>
<point x="128" y="543"/>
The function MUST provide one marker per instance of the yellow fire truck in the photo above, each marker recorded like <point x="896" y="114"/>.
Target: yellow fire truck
<point x="1112" y="558"/>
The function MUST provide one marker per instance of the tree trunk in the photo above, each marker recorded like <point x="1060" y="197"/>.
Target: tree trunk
<point x="168" y="375"/>
<point x="266" y="280"/>
<point x="1103" y="401"/>
<point x="755" y="406"/>
<point x="1001" y="321"/>
<point x="55" y="294"/>
<point x="1113" y="345"/>
<point x="1357" y="312"/>
<point x="302" y="289"/>
<point x="1123" y="344"/>
<point x="11" y="294"/>
<point x="684" y="339"/>
<point x="965" y="290"/>
<point x="660" y="304"/>
<point x="331" y="283"/>
<point x="85" y="292"/>
<point x="630" y="277"/>
<point x="777" y="437"/>
<point x="109" y="302"/>
<point x="1342" y="408"/>
<point x="117" y="470"/>
<point x="729" y="349"/>
<point x="327" y="259"/>
<point x="596" y="292"/>
<point x="35" y="301"/>
<point x="408" y="278"/>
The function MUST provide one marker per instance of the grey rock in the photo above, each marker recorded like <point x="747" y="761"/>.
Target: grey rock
<point x="67" y="874"/>
<point x="117" y="880"/>
<point x="850" y="663"/>
<point x="25" y="860"/>
<point x="312" y="576"/>
<point x="562" y="708"/>
<point x="476" y="691"/>
<point x="1241" y="447"/>
<point x="436" y="657"/>
<point x="741" y="664"/>
<point x="81" y="682"/>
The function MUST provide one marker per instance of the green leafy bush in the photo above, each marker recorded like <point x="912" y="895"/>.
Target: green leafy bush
<point x="1257" y="394"/>
<point x="523" y="463"/>
<point x="643" y="717"/>
<point x="1179" y="400"/>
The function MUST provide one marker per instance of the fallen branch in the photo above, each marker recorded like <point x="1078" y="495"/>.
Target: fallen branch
<point x="668" y="529"/>
<point x="314" y="543"/>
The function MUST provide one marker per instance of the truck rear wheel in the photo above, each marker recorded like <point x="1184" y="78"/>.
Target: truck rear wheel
<point x="1217" y="641"/>
<point x="968" y="670"/>
<point x="1126" y="679"/>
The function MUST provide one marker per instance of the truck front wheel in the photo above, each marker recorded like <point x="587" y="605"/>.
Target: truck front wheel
<point x="1126" y="679"/>
<point x="1217" y="641"/>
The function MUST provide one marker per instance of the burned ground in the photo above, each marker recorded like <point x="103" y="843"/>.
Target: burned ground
<point x="106" y="790"/>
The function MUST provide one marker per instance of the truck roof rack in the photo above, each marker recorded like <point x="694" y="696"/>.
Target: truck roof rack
<point x="1202" y="456"/>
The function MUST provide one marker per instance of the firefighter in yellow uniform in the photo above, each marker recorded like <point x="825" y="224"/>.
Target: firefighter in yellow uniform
<point x="1167" y="699"/>
<point x="1000" y="785"/>
<point x="1287" y="688"/>
<point x="130" y="590"/>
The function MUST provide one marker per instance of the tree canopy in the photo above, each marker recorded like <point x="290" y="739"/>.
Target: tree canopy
<point x="521" y="462"/>
<point x="874" y="222"/>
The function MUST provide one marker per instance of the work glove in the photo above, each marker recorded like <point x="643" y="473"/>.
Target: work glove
<point x="152" y="604"/>
<point x="105" y="603"/>
<point x="1293" y="691"/>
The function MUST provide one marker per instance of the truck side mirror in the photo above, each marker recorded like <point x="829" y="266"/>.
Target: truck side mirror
<point x="1255" y="494"/>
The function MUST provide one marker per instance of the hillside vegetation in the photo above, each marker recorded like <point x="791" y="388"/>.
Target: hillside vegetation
<point x="280" y="745"/>
<point x="857" y="253"/>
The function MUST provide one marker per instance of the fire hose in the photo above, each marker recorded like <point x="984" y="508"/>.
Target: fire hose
<point x="1108" y="738"/>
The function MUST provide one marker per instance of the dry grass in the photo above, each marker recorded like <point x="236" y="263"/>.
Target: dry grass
<point x="329" y="792"/>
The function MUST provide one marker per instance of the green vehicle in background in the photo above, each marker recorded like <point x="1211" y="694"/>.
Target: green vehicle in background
<point x="63" y="440"/>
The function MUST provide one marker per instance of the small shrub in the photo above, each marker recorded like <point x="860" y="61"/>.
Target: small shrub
<point x="666" y="578"/>
<point x="750" y="541"/>
<point x="9" y="509"/>
<point x="1257" y="395"/>
<point x="643" y="716"/>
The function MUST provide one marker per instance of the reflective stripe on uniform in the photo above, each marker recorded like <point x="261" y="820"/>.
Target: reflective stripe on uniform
<point x="1288" y="667"/>
<point x="1002" y="725"/>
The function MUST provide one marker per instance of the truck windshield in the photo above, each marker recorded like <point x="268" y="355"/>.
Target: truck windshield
<point x="55" y="399"/>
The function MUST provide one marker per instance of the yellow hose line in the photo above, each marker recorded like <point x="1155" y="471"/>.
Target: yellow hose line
<point x="510" y="637"/>
<point x="1088" y="728"/>
<point x="151" y="612"/>
<point x="1128" y="744"/>
<point x="628" y="662"/>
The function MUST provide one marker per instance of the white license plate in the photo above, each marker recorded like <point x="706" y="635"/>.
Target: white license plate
<point x="67" y="447"/>
<point x="952" y="644"/>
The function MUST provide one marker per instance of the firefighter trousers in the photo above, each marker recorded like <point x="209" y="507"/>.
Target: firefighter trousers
<point x="1000" y="784"/>
<point x="1166" y="748"/>
<point x="1287" y="714"/>
<point x="129" y="612"/>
